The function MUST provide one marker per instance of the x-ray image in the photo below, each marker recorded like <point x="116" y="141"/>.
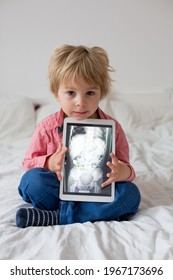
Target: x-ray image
<point x="89" y="149"/>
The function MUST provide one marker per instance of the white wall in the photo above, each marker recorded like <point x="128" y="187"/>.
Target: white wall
<point x="137" y="34"/>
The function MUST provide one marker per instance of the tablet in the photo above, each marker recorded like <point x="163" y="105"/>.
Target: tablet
<point x="89" y="144"/>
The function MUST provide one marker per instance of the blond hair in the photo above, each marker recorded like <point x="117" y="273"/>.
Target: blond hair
<point x="92" y="64"/>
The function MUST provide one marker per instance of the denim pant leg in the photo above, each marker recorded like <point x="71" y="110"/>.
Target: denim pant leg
<point x="40" y="187"/>
<point x="127" y="200"/>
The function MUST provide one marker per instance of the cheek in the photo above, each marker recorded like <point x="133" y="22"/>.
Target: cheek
<point x="57" y="98"/>
<point x="63" y="100"/>
<point x="95" y="102"/>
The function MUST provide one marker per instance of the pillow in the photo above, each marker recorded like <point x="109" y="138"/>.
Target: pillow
<point x="47" y="110"/>
<point x="17" y="117"/>
<point x="142" y="113"/>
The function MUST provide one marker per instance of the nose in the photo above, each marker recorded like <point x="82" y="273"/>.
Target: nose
<point x="80" y="101"/>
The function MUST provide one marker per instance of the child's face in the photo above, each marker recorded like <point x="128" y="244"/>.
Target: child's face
<point x="79" y="99"/>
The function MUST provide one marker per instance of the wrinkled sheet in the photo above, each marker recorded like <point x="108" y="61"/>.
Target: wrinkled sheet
<point x="148" y="235"/>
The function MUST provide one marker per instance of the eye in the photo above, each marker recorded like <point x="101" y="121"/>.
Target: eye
<point x="70" y="93"/>
<point x="90" y="93"/>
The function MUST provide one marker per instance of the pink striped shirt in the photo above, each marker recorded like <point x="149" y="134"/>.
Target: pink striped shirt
<point x="48" y="135"/>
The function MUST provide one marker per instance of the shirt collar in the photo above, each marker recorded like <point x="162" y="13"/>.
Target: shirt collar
<point x="60" y="121"/>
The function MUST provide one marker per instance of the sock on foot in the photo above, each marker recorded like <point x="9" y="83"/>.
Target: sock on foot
<point x="26" y="217"/>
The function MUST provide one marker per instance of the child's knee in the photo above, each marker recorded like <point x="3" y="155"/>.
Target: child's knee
<point x="29" y="181"/>
<point x="40" y="187"/>
<point x="135" y="193"/>
<point x="36" y="181"/>
<point x="30" y="177"/>
<point x="129" y="195"/>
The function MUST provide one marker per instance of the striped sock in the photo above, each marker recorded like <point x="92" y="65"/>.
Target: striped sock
<point x="26" y="217"/>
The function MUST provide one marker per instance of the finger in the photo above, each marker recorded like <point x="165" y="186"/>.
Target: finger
<point x="61" y="156"/>
<point x="114" y="159"/>
<point x="112" y="175"/>
<point x="107" y="182"/>
<point x="59" y="163"/>
<point x="59" y="148"/>
<point x="64" y="150"/>
<point x="59" y="176"/>
<point x="58" y="166"/>
<point x="58" y="171"/>
<point x="111" y="165"/>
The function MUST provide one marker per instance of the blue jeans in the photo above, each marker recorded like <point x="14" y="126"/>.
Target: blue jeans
<point x="40" y="187"/>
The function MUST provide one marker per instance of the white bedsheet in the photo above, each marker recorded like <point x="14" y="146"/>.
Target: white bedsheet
<point x="148" y="235"/>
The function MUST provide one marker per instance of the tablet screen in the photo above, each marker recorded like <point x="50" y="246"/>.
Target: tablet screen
<point x="89" y="144"/>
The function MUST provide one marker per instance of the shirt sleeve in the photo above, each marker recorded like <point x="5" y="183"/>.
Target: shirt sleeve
<point x="122" y="150"/>
<point x="38" y="150"/>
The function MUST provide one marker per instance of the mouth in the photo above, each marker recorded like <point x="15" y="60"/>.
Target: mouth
<point x="80" y="112"/>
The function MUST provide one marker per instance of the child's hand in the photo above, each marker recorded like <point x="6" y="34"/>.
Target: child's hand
<point x="119" y="171"/>
<point x="54" y="162"/>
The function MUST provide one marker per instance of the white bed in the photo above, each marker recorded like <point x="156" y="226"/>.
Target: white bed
<point x="148" y="123"/>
